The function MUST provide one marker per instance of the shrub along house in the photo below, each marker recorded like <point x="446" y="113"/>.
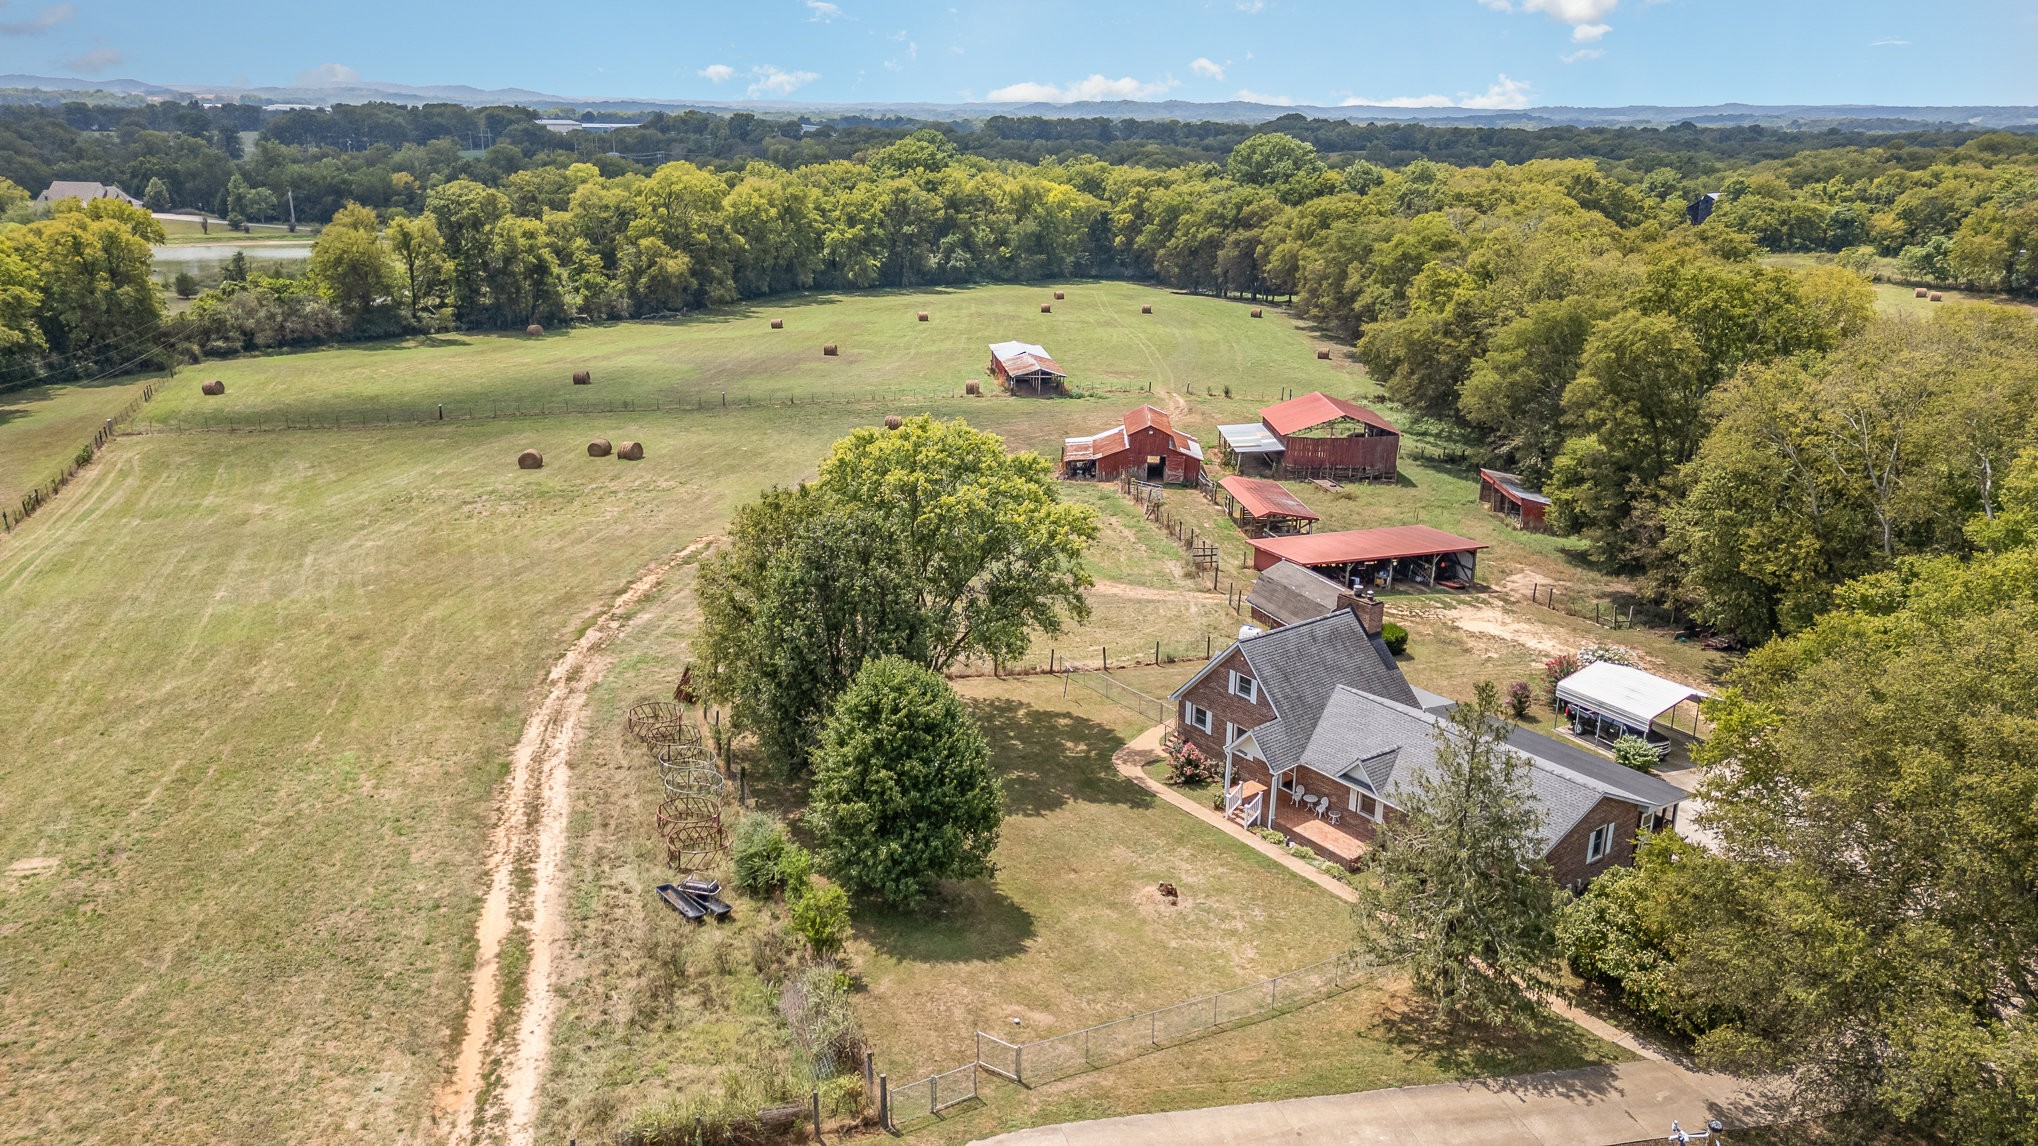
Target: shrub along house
<point x="1145" y="445"/>
<point x="1321" y="738"/>
<point x="1024" y="368"/>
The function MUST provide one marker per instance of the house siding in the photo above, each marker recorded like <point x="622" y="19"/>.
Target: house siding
<point x="1214" y="693"/>
<point x="1567" y="859"/>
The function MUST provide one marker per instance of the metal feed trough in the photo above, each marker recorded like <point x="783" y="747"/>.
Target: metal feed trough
<point x="659" y="722"/>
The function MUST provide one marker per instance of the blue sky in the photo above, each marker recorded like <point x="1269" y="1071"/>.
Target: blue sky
<point x="1478" y="53"/>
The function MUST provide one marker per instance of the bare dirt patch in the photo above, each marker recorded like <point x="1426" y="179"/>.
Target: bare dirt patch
<point x="531" y="832"/>
<point x="1489" y="621"/>
<point x="1146" y="593"/>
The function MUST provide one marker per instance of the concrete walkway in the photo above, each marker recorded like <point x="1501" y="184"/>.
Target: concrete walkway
<point x="1592" y="1106"/>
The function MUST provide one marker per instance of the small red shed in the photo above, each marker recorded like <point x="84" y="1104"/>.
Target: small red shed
<point x="1322" y="436"/>
<point x="1504" y="494"/>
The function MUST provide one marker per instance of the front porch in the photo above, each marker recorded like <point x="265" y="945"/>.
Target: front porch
<point x="1335" y="832"/>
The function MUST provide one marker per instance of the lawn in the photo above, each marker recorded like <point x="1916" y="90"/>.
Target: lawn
<point x="43" y="427"/>
<point x="264" y="690"/>
<point x="1071" y="932"/>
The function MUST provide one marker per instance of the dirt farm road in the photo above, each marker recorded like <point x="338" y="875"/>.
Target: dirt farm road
<point x="530" y="834"/>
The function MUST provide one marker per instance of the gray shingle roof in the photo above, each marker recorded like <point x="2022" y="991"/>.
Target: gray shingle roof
<point x="1290" y="593"/>
<point x="1386" y="747"/>
<point x="1301" y="665"/>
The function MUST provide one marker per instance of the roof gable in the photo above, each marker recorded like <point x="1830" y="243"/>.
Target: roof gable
<point x="1316" y="408"/>
<point x="1291" y="593"/>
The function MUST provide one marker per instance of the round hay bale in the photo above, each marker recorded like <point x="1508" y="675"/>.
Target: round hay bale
<point x="893" y="421"/>
<point x="1058" y="296"/>
<point x="600" y="448"/>
<point x="923" y="316"/>
<point x="582" y="378"/>
<point x="829" y="350"/>
<point x="1046" y="309"/>
<point x="973" y="388"/>
<point x="530" y="460"/>
<point x="213" y="388"/>
<point x="1256" y="312"/>
<point x="778" y="324"/>
<point x="1323" y="356"/>
<point x="1145" y="308"/>
<point x="534" y="328"/>
<point x="1921" y="292"/>
<point x="631" y="451"/>
<point x="1935" y="296"/>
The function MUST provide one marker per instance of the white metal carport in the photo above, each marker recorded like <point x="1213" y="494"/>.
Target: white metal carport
<point x="1606" y="692"/>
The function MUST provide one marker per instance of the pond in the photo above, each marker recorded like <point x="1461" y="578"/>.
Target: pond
<point x="211" y="256"/>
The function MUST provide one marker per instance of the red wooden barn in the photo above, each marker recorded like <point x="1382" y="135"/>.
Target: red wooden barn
<point x="1322" y="436"/>
<point x="1147" y="446"/>
<point x="1024" y="368"/>
<point x="1504" y="494"/>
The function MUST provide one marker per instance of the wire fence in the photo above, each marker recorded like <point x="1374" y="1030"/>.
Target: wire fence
<point x="1134" y="652"/>
<point x="1121" y="694"/>
<point x="1614" y="613"/>
<point x="1044" y="1060"/>
<point x="43" y="491"/>
<point x="924" y="1098"/>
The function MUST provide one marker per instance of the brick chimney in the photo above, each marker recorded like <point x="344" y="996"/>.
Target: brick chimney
<point x="1370" y="612"/>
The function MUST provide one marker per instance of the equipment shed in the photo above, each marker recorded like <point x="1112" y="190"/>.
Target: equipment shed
<point x="1378" y="558"/>
<point x="1504" y="494"/>
<point x="1263" y="508"/>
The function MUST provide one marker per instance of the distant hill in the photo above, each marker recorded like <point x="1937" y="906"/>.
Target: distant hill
<point x="44" y="89"/>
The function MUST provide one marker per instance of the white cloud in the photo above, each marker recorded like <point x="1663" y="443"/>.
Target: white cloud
<point x="1586" y="17"/>
<point x="823" y="12"/>
<point x="767" y="80"/>
<point x="718" y="73"/>
<point x="37" y="24"/>
<point x="1590" y="33"/>
<point x="1096" y="87"/>
<point x="1252" y="7"/>
<point x="1504" y="95"/>
<point x="1246" y="95"/>
<point x="97" y="60"/>
<point x="328" y="75"/>
<point x="1889" y="42"/>
<point x="1204" y="66"/>
<point x="1582" y="54"/>
<point x="898" y="63"/>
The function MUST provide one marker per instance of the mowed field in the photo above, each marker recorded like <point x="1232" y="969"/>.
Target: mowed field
<point x="42" y="428"/>
<point x="262" y="687"/>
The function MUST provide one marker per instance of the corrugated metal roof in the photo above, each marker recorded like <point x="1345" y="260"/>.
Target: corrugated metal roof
<point x="1263" y="498"/>
<point x="1111" y="441"/>
<point x="1628" y="694"/>
<point x="1118" y="438"/>
<point x="1390" y="543"/>
<point x="1511" y="485"/>
<point x="1025" y="358"/>
<point x="1249" y="438"/>
<point x="1298" y="414"/>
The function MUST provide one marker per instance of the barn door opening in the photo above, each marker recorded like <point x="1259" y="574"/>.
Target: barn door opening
<point x="1156" y="468"/>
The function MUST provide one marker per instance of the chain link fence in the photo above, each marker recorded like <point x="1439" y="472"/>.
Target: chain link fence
<point x="1121" y="694"/>
<point x="929" y="1096"/>
<point x="1044" y="1060"/>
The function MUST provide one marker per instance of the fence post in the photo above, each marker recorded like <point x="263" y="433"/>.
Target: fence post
<point x="1156" y="652"/>
<point x="817" y="1116"/>
<point x="884" y="1102"/>
<point x="1106" y="650"/>
<point x="1018" y="1063"/>
<point x="1153" y="1027"/>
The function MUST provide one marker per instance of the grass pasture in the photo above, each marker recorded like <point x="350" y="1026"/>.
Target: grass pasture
<point x="43" y="427"/>
<point x="263" y="690"/>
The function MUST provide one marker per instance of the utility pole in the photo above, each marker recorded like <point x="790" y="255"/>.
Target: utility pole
<point x="291" y="195"/>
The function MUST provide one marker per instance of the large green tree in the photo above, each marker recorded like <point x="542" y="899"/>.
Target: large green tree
<point x="929" y="542"/>
<point x="350" y="265"/>
<point x="1457" y="893"/>
<point x="903" y="795"/>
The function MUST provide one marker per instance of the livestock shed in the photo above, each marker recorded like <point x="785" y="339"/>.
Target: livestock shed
<point x="1377" y="558"/>
<point x="1504" y="494"/>
<point x="1263" y="508"/>
<point x="1322" y="436"/>
<point x="1145" y="445"/>
<point x="1023" y="368"/>
<point x="1605" y="701"/>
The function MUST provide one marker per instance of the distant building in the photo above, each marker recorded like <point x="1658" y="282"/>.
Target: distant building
<point x="1020" y="365"/>
<point x="562" y="126"/>
<point x="84" y="192"/>
<point x="1700" y="209"/>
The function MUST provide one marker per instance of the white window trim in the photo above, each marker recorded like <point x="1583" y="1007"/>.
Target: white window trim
<point x="1251" y="693"/>
<point x="1595" y="849"/>
<point x="1199" y="718"/>
<point x="1231" y="735"/>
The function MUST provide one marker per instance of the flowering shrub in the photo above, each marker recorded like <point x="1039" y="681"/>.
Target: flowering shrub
<point x="1188" y="764"/>
<point x="1519" y="697"/>
<point x="1554" y="670"/>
